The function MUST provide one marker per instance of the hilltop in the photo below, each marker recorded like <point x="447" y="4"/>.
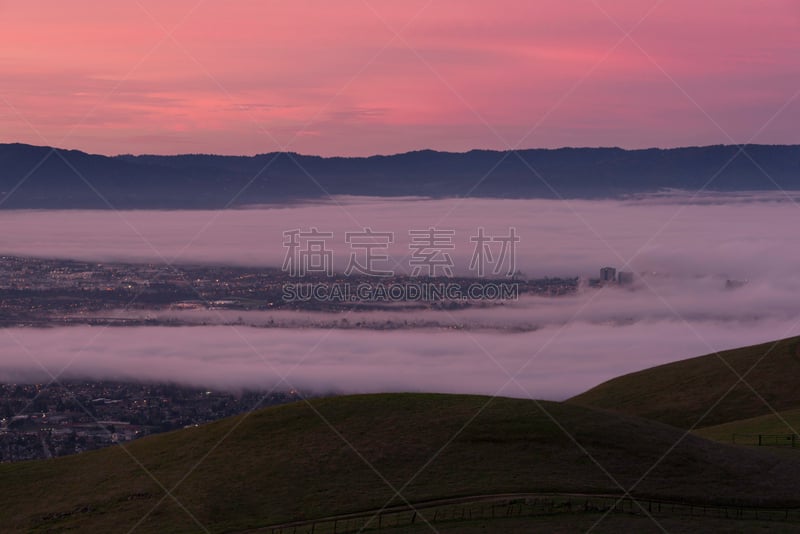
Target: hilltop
<point x="287" y="463"/>
<point x="45" y="177"/>
<point x="705" y="391"/>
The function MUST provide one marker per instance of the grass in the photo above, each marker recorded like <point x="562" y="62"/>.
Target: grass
<point x="682" y="393"/>
<point x="611" y="524"/>
<point x="784" y="423"/>
<point x="562" y="513"/>
<point x="285" y="463"/>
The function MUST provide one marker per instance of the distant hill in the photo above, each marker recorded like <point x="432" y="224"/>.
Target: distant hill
<point x="51" y="178"/>
<point x="288" y="463"/>
<point x="684" y="393"/>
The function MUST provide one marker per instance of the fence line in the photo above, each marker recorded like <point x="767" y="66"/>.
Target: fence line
<point x="767" y="440"/>
<point x="487" y="507"/>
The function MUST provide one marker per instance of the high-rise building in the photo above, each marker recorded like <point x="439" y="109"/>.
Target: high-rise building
<point x="608" y="274"/>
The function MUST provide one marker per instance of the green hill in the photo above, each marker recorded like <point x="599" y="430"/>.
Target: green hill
<point x="781" y="424"/>
<point x="287" y="463"/>
<point x="703" y="391"/>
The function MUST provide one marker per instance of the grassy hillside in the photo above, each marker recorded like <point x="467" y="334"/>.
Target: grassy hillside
<point x="285" y="463"/>
<point x="611" y="524"/>
<point x="784" y="423"/>
<point x="682" y="393"/>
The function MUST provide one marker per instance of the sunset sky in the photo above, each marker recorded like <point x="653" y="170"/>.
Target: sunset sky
<point x="358" y="77"/>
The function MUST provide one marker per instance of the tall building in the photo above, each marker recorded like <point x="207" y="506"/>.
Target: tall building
<point x="608" y="274"/>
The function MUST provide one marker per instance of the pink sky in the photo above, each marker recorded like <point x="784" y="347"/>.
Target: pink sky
<point x="331" y="78"/>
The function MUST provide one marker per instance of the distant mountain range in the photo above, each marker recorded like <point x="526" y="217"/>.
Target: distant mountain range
<point x="56" y="178"/>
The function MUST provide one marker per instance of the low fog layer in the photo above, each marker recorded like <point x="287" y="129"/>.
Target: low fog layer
<point x="680" y="307"/>
<point x="737" y="237"/>
<point x="551" y="363"/>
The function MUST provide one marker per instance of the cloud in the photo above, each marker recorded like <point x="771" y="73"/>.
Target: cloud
<point x="680" y="307"/>
<point x="552" y="363"/>
<point x="752" y="240"/>
<point x="455" y="68"/>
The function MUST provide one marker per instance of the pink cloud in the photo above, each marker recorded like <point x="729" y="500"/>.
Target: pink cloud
<point x="339" y="71"/>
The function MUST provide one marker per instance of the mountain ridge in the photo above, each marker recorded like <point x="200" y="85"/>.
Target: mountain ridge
<point x="46" y="177"/>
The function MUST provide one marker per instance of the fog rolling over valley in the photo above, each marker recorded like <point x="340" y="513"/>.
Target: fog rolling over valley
<point x="342" y="267"/>
<point x="712" y="272"/>
<point x="552" y="363"/>
<point x="675" y="234"/>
